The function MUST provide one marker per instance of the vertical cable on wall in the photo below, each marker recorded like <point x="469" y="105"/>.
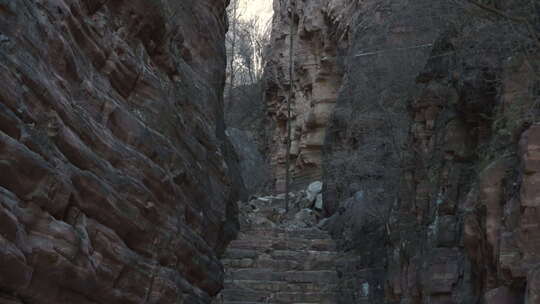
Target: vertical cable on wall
<point x="289" y="122"/>
<point x="233" y="50"/>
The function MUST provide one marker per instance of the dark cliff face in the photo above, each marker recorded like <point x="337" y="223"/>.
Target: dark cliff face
<point x="247" y="128"/>
<point x="465" y="222"/>
<point x="365" y="144"/>
<point x="117" y="183"/>
<point x="429" y="157"/>
<point x="430" y="153"/>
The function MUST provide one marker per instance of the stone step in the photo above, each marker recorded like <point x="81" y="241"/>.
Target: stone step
<point x="245" y="295"/>
<point x="306" y="297"/>
<point x="278" y="286"/>
<point x="283" y="244"/>
<point x="301" y="233"/>
<point x="242" y="253"/>
<point x="283" y="260"/>
<point x="304" y="256"/>
<point x="257" y="274"/>
<point x="271" y="302"/>
<point x="248" y="302"/>
<point x="277" y="265"/>
<point x="240" y="295"/>
<point x="272" y="264"/>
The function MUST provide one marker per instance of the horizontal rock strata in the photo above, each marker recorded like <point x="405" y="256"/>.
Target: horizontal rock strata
<point x="117" y="182"/>
<point x="319" y="32"/>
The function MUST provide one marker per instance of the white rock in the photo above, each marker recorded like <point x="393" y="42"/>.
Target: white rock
<point x="319" y="202"/>
<point x="314" y="189"/>
<point x="359" y="195"/>
<point x="323" y="223"/>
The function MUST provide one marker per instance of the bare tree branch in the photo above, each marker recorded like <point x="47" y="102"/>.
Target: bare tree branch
<point x="522" y="20"/>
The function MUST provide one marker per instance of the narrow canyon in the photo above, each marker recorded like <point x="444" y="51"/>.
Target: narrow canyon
<point x="357" y="151"/>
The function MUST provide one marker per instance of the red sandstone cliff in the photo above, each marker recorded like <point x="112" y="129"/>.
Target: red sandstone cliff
<point x="421" y="117"/>
<point x="117" y="183"/>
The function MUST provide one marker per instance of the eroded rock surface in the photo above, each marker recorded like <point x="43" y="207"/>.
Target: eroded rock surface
<point x="117" y="181"/>
<point x="467" y="192"/>
<point x="429" y="152"/>
<point x="320" y="30"/>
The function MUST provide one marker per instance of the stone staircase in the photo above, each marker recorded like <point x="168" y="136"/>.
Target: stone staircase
<point x="279" y="257"/>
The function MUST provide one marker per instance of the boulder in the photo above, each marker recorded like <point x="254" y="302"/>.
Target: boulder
<point x="313" y="190"/>
<point x="305" y="218"/>
<point x="319" y="202"/>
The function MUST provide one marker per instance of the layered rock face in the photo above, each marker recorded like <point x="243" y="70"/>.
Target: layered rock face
<point x="117" y="181"/>
<point x="318" y="31"/>
<point x="390" y="44"/>
<point x="469" y="190"/>
<point x="433" y="185"/>
<point x="429" y="157"/>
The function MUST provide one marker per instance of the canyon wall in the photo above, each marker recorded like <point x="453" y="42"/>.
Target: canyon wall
<point x="247" y="128"/>
<point x="464" y="228"/>
<point x="427" y="146"/>
<point x="118" y="182"/>
<point x="319" y="30"/>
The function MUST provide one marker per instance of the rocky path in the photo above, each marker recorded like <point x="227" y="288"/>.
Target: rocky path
<point x="280" y="257"/>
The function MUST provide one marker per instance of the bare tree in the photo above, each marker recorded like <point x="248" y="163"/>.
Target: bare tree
<point x="233" y="19"/>
<point x="246" y="42"/>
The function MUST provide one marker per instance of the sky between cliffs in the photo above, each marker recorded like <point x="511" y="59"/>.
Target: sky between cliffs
<point x="262" y="9"/>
